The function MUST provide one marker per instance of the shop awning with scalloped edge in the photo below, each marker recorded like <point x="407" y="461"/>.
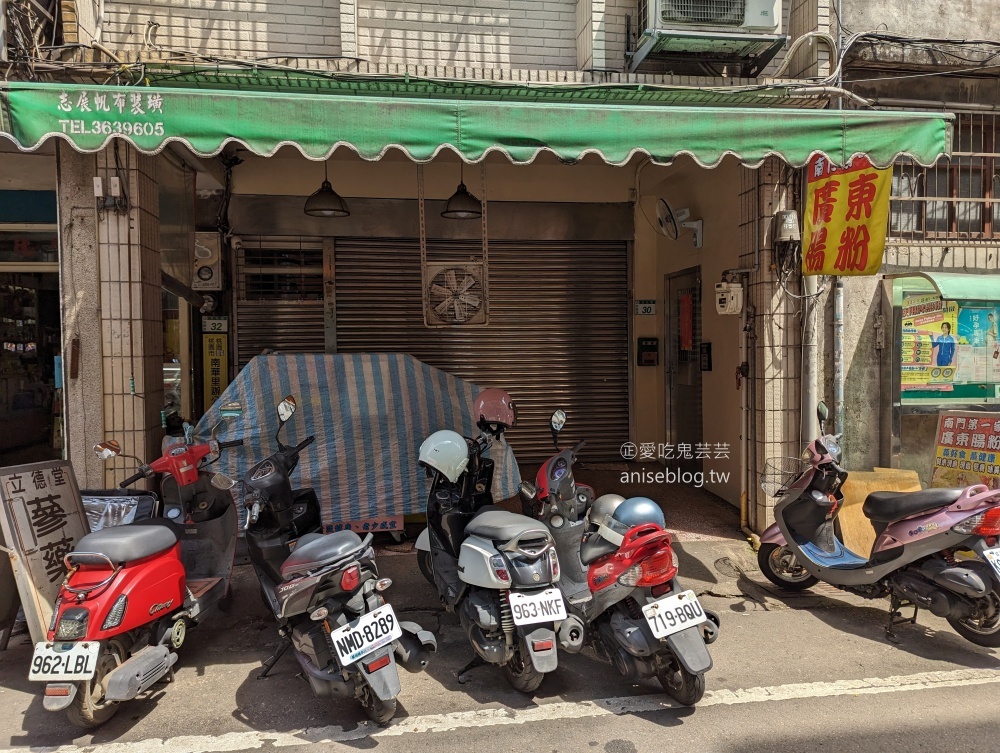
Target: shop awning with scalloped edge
<point x="206" y="121"/>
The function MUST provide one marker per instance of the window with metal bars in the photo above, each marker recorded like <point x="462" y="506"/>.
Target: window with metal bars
<point x="957" y="198"/>
<point x="280" y="269"/>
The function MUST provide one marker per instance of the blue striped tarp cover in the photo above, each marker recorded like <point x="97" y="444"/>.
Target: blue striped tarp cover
<point x="369" y="414"/>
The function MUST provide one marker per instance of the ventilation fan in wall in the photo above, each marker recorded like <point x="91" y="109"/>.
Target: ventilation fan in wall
<point x="454" y="295"/>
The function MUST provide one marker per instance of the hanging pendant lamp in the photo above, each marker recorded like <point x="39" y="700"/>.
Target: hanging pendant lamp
<point x="462" y="205"/>
<point x="326" y="202"/>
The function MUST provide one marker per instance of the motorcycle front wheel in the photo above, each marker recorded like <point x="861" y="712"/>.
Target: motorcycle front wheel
<point x="425" y="565"/>
<point x="779" y="566"/>
<point x="983" y="628"/>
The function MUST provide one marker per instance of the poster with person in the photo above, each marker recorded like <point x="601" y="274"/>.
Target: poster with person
<point x="930" y="342"/>
<point x="980" y="353"/>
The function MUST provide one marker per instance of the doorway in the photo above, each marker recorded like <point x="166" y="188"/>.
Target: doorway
<point x="682" y="365"/>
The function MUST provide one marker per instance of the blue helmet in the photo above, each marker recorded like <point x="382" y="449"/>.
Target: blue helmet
<point x="637" y="510"/>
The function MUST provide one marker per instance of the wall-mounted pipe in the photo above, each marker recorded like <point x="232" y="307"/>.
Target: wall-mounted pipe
<point x="838" y="355"/>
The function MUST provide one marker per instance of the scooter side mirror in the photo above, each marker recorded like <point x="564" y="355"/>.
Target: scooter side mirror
<point x="557" y="422"/>
<point x="822" y="413"/>
<point x="223" y="482"/>
<point x="107" y="450"/>
<point x="286" y="408"/>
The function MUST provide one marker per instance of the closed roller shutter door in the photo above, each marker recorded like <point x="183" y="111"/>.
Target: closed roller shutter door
<point x="279" y="296"/>
<point x="557" y="334"/>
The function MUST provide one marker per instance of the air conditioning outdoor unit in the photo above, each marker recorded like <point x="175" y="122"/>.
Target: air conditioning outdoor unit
<point x="745" y="32"/>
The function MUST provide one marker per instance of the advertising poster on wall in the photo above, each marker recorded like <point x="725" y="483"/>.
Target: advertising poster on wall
<point x="930" y="343"/>
<point x="968" y="450"/>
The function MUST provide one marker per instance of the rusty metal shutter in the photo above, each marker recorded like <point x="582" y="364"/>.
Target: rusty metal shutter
<point x="557" y="337"/>
<point x="279" y="296"/>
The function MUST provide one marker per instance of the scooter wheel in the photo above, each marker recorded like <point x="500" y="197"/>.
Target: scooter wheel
<point x="984" y="628"/>
<point x="682" y="686"/>
<point x="378" y="711"/>
<point x="425" y="565"/>
<point x="522" y="674"/>
<point x="89" y="709"/>
<point x="773" y="562"/>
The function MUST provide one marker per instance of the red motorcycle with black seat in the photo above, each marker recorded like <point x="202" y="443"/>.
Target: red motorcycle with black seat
<point x="131" y="592"/>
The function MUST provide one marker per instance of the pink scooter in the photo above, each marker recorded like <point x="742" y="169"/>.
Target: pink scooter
<point x="914" y="560"/>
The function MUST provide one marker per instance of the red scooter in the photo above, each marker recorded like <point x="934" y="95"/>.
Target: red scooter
<point x="132" y="591"/>
<point x="619" y="580"/>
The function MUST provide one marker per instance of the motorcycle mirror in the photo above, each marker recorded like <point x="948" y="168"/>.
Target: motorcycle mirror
<point x="527" y="490"/>
<point x="231" y="410"/>
<point x="286" y="408"/>
<point x="557" y="422"/>
<point x="822" y="413"/>
<point x="222" y="481"/>
<point x="107" y="450"/>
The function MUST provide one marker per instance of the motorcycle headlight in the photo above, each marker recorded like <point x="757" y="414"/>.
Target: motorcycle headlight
<point x="833" y="447"/>
<point x="807" y="455"/>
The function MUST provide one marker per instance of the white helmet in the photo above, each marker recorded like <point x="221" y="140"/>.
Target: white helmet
<point x="446" y="452"/>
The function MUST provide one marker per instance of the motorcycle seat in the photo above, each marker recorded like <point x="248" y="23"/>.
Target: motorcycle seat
<point x="497" y="524"/>
<point x="887" y="507"/>
<point x="315" y="550"/>
<point x="594" y="547"/>
<point x="126" y="543"/>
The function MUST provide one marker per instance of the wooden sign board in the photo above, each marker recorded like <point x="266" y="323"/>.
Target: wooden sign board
<point x="41" y="520"/>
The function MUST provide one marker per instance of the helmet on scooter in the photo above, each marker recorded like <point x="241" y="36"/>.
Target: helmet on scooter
<point x="611" y="517"/>
<point x="599" y="521"/>
<point x="446" y="452"/>
<point x="494" y="411"/>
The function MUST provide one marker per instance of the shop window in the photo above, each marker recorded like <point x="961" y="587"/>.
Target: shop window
<point x="957" y="198"/>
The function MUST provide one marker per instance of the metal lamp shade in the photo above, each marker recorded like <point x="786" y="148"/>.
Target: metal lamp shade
<point x="462" y="205"/>
<point x="326" y="203"/>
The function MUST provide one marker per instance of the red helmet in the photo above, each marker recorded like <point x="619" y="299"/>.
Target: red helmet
<point x="494" y="411"/>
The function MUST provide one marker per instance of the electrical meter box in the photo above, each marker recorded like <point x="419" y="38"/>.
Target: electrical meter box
<point x="648" y="351"/>
<point x="207" y="273"/>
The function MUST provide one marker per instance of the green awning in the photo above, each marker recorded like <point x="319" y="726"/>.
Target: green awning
<point x="205" y="121"/>
<point x="956" y="286"/>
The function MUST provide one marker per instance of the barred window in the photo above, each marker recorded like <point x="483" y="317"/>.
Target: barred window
<point x="956" y="198"/>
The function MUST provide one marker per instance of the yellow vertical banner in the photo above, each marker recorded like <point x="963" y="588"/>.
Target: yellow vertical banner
<point x="847" y="210"/>
<point x="215" y="355"/>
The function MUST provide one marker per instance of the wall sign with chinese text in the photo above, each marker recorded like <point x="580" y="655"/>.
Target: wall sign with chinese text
<point x="216" y="358"/>
<point x="845" y="217"/>
<point x="42" y="520"/>
<point x="968" y="450"/>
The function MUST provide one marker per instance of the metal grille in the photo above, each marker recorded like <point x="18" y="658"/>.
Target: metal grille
<point x="713" y="12"/>
<point x="956" y="198"/>
<point x="279" y="296"/>
<point x="557" y="338"/>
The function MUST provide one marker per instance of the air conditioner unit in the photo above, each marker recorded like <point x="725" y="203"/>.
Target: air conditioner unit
<point x="756" y="15"/>
<point x="746" y="32"/>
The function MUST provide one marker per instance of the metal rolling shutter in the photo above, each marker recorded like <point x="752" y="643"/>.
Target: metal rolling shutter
<point x="557" y="334"/>
<point x="279" y="296"/>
